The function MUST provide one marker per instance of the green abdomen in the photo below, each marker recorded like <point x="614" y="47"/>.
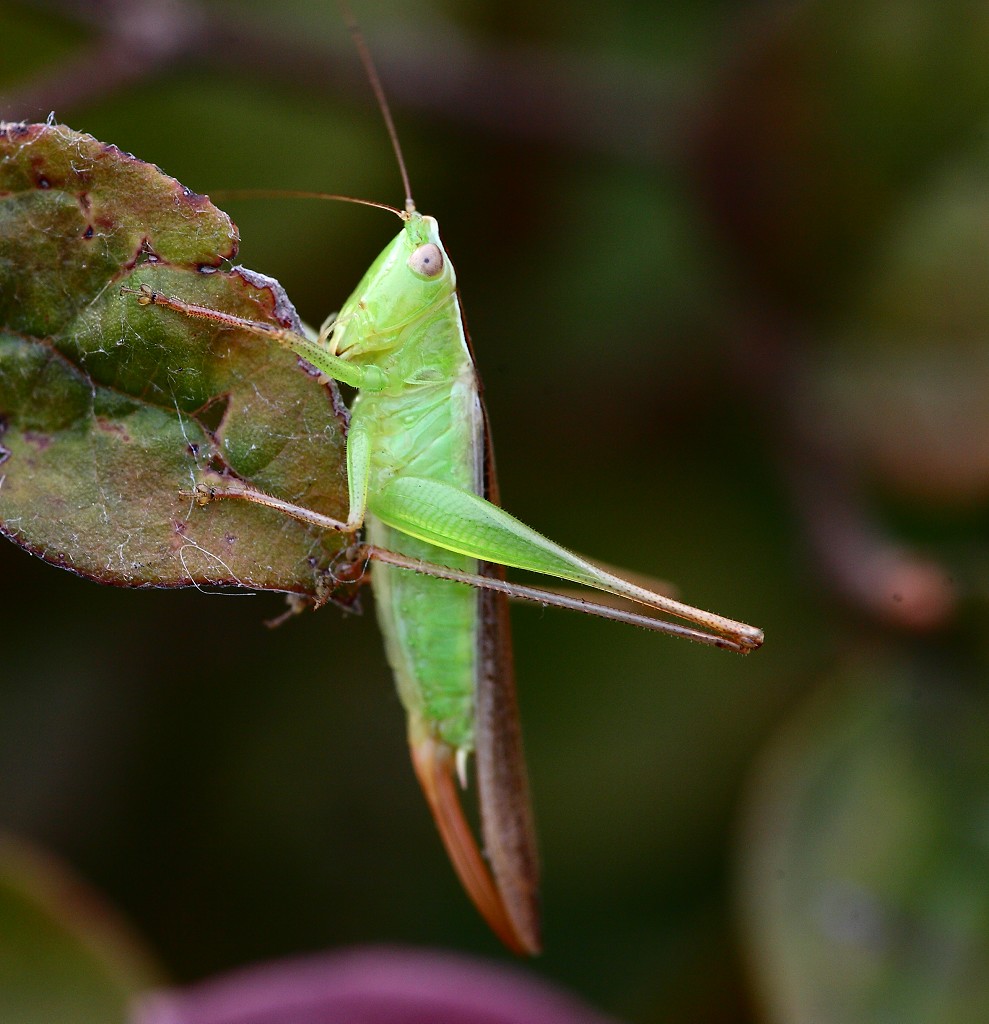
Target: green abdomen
<point x="429" y="627"/>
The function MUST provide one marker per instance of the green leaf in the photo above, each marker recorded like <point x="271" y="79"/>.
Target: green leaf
<point x="867" y="878"/>
<point x="110" y="410"/>
<point x="64" y="956"/>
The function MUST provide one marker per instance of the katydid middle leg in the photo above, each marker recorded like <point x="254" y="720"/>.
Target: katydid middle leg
<point x="313" y="351"/>
<point x="358" y="477"/>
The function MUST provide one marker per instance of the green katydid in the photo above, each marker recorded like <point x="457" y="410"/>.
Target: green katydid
<point x="421" y="484"/>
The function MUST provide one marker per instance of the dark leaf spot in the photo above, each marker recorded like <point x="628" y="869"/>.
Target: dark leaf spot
<point x="39" y="441"/>
<point x="110" y="427"/>
<point x="211" y="415"/>
<point x="148" y="255"/>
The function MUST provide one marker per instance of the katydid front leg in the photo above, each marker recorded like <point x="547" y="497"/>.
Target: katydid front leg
<point x="366" y="377"/>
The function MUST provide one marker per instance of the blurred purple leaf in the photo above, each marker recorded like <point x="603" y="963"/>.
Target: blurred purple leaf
<point x="865" y="878"/>
<point x="370" y="986"/>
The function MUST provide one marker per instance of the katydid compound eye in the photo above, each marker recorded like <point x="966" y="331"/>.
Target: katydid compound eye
<point x="427" y="260"/>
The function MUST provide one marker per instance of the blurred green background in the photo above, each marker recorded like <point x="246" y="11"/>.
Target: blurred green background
<point x="725" y="269"/>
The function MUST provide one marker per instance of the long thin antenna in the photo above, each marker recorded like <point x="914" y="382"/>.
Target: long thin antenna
<point x="283" y="193"/>
<point x="379" y="92"/>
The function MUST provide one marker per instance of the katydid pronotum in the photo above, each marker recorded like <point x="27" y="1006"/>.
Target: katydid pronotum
<point x="422" y="487"/>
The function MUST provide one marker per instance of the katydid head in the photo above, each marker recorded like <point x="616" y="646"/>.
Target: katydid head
<point x="410" y="276"/>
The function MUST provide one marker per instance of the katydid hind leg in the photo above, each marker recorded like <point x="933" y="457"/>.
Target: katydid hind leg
<point x="461" y="521"/>
<point x="569" y="599"/>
